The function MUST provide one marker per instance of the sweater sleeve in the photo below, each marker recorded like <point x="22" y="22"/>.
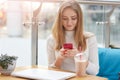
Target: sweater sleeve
<point x="50" y="51"/>
<point x="93" y="65"/>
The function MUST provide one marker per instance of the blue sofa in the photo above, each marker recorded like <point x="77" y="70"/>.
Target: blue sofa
<point x="109" y="61"/>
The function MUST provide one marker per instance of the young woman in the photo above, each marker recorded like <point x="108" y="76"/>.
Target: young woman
<point x="68" y="28"/>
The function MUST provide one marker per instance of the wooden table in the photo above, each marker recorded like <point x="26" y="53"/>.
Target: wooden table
<point x="88" y="77"/>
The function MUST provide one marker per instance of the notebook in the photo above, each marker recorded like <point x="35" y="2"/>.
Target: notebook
<point x="42" y="74"/>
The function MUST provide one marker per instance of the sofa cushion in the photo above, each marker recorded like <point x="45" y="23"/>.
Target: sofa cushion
<point x="109" y="61"/>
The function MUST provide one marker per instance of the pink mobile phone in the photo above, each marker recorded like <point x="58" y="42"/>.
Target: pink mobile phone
<point x="68" y="46"/>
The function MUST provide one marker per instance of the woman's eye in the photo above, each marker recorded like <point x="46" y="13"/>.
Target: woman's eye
<point x="74" y="18"/>
<point x="64" y="18"/>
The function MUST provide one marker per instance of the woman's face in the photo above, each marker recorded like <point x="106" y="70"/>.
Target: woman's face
<point x="69" y="19"/>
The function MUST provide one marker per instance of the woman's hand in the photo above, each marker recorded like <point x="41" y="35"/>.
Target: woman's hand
<point x="72" y="52"/>
<point x="62" y="53"/>
<point x="68" y="53"/>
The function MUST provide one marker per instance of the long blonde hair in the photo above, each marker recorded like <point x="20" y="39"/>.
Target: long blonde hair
<point x="59" y="32"/>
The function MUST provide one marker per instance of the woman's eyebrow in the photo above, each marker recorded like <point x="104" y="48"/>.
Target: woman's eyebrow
<point x="74" y="16"/>
<point x="70" y="16"/>
<point x="64" y="16"/>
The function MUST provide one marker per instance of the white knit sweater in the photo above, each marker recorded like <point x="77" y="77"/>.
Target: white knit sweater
<point x="69" y="64"/>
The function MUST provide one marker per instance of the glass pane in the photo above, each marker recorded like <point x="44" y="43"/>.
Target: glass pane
<point x="46" y="18"/>
<point x="15" y="38"/>
<point x="115" y="28"/>
<point x="94" y="17"/>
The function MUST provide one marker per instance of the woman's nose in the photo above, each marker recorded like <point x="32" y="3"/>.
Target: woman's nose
<point x="69" y="22"/>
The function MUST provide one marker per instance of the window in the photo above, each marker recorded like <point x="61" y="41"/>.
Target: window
<point x="16" y="27"/>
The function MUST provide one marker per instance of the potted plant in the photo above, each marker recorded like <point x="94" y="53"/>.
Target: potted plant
<point x="7" y="64"/>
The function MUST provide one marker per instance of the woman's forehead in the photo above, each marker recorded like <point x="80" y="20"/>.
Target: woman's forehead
<point x="69" y="11"/>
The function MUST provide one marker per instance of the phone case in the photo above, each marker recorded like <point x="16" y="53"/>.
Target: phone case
<point x="68" y="46"/>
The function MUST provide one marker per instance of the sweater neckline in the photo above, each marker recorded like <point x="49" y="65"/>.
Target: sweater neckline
<point x="69" y="33"/>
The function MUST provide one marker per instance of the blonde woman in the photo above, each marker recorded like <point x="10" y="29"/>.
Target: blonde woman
<point x="68" y="28"/>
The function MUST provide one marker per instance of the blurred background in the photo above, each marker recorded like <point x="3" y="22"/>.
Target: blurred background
<point x="17" y="26"/>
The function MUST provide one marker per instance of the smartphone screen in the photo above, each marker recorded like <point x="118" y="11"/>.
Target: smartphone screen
<point x="68" y="46"/>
